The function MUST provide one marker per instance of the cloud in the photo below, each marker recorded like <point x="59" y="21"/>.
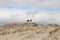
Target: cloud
<point x="13" y="15"/>
<point x="15" y="11"/>
<point x="20" y="16"/>
<point x="32" y="3"/>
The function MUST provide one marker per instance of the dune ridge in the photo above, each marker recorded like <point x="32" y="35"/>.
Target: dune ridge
<point x="30" y="31"/>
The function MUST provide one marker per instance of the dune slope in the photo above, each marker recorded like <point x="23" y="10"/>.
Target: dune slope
<point x="29" y="31"/>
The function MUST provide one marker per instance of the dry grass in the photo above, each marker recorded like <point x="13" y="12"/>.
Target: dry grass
<point x="29" y="31"/>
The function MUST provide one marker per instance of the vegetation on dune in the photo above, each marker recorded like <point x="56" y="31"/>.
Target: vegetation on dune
<point x="35" y="24"/>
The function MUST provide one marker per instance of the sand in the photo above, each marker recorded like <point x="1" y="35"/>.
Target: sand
<point x="29" y="31"/>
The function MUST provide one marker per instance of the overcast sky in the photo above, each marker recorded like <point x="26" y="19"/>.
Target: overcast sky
<point x="40" y="11"/>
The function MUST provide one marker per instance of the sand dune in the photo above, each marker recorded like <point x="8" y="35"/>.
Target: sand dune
<point x="29" y="31"/>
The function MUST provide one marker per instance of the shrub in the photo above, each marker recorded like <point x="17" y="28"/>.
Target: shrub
<point x="35" y="24"/>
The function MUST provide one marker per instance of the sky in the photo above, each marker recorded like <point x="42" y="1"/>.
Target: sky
<point x="40" y="11"/>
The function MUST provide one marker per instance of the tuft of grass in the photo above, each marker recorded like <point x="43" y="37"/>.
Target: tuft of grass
<point x="56" y="25"/>
<point x="35" y="24"/>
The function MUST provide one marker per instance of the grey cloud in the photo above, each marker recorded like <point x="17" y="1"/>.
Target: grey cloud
<point x="33" y="3"/>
